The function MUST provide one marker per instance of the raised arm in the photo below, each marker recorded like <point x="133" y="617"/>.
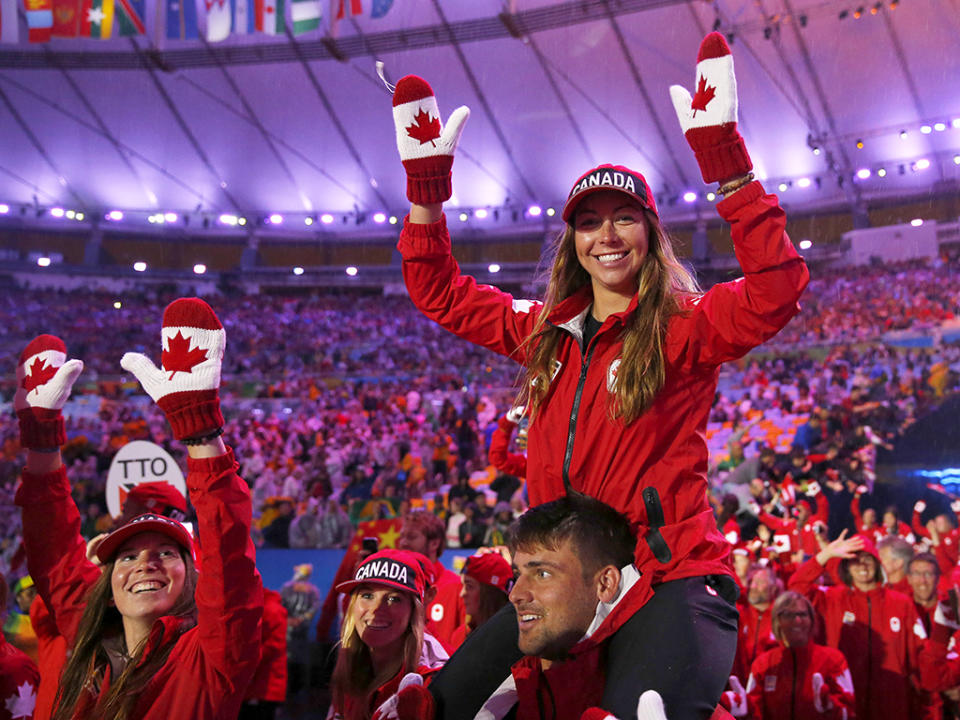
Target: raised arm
<point x="734" y="317"/>
<point x="56" y="553"/>
<point x="229" y="593"/>
<point x="480" y="314"/>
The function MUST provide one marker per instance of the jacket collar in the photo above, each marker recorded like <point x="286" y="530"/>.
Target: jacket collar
<point x="571" y="312"/>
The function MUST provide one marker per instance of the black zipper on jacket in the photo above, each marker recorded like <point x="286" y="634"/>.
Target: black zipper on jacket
<point x="793" y="688"/>
<point x="574" y="411"/>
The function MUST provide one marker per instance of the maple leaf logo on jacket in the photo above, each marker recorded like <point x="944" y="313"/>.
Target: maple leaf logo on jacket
<point x="180" y="357"/>
<point x="704" y="95"/>
<point x="424" y="129"/>
<point x="40" y="374"/>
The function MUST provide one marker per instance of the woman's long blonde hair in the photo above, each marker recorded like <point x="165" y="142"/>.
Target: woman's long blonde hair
<point x="662" y="282"/>
<point x="84" y="670"/>
<point x="353" y="675"/>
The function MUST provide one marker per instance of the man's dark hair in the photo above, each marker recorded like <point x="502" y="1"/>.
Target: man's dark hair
<point x="600" y="534"/>
<point x="927" y="558"/>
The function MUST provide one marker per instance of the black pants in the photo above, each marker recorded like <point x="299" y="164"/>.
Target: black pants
<point x="681" y="644"/>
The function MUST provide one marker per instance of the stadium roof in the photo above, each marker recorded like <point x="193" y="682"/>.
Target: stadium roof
<point x="302" y="124"/>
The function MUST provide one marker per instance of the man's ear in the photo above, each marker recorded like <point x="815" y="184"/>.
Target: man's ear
<point x="608" y="583"/>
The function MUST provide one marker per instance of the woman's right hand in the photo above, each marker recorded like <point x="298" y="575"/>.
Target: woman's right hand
<point x="842" y="548"/>
<point x="426" y="146"/>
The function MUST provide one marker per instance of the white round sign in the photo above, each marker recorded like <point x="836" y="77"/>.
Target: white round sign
<point x="137" y="462"/>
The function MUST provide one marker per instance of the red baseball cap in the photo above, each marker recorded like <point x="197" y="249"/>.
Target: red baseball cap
<point x="490" y="569"/>
<point x="398" y="569"/>
<point x="157" y="495"/>
<point x="610" y="177"/>
<point x="148" y="522"/>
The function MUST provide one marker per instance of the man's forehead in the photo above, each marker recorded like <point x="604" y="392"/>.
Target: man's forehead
<point x="564" y="553"/>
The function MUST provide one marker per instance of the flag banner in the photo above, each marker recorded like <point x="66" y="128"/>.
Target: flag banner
<point x="219" y="19"/>
<point x="39" y="14"/>
<point x="356" y="8"/>
<point x="244" y="17"/>
<point x="273" y="22"/>
<point x="66" y="18"/>
<point x="9" y="27"/>
<point x="96" y="21"/>
<point x="305" y="15"/>
<point x="380" y="8"/>
<point x="129" y="16"/>
<point x="182" y="20"/>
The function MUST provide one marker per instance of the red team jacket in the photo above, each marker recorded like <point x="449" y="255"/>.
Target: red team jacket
<point x="781" y="684"/>
<point x="445" y="614"/>
<point x="880" y="634"/>
<point x="755" y="637"/>
<point x="653" y="470"/>
<point x="208" y="669"/>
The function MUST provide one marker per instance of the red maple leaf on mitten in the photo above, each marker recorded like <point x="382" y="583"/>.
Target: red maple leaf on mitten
<point x="424" y="129"/>
<point x="180" y="358"/>
<point x="40" y="373"/>
<point x="703" y="95"/>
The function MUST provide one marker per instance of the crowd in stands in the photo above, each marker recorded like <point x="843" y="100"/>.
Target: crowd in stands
<point x="345" y="408"/>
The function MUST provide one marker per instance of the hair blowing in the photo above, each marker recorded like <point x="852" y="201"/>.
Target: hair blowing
<point x="661" y="282"/>
<point x="84" y="671"/>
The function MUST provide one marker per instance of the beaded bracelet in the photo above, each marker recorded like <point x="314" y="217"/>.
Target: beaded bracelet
<point x="203" y="439"/>
<point x="736" y="184"/>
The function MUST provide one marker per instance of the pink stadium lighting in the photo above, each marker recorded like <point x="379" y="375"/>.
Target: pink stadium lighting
<point x="4" y="209"/>
<point x="115" y="215"/>
<point x="926" y="129"/>
<point x="493" y="267"/>
<point x="939" y="127"/>
<point x="43" y="261"/>
<point x="298" y="270"/>
<point x="955" y="123"/>
<point x="917" y="222"/>
<point x="57" y="212"/>
<point x="480" y="213"/>
<point x="351" y="271"/>
<point x="199" y="269"/>
<point x="921" y="164"/>
<point x="227" y="219"/>
<point x="171" y="217"/>
<point x="326" y="218"/>
<point x="276" y="219"/>
<point x="806" y="244"/>
<point x="689" y="196"/>
<point x="140" y="266"/>
<point x="803" y="182"/>
<point x="863" y="173"/>
<point x="379" y="217"/>
<point x="534" y="211"/>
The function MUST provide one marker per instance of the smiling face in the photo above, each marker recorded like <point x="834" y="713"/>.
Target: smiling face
<point x="381" y="616"/>
<point x="863" y="571"/>
<point x="923" y="577"/>
<point x="148" y="576"/>
<point x="611" y="237"/>
<point x="795" y="624"/>
<point x="555" y="604"/>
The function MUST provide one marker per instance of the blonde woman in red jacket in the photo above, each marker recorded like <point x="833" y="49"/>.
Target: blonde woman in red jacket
<point x="622" y="358"/>
<point x="149" y="636"/>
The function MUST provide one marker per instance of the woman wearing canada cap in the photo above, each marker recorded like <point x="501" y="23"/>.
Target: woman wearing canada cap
<point x="149" y="638"/>
<point x="621" y="358"/>
<point x="381" y="639"/>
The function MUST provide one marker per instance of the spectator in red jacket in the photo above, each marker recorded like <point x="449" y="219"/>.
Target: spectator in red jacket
<point x="923" y="575"/>
<point x="19" y="677"/>
<point x="877" y="629"/>
<point x="424" y="532"/>
<point x="268" y="689"/>
<point x="144" y="644"/>
<point x="487" y="578"/>
<point x="895" y="554"/>
<point x="382" y="634"/>
<point x="756" y="618"/>
<point x="801" y="679"/>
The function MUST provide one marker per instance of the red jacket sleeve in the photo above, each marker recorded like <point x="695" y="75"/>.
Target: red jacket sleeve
<point x="734" y="317"/>
<point x="777" y="525"/>
<point x="510" y="463"/>
<point x="804" y="580"/>
<point x="855" y="511"/>
<point x="56" y="553"/>
<point x="481" y="314"/>
<point x="917" y="526"/>
<point x="229" y="592"/>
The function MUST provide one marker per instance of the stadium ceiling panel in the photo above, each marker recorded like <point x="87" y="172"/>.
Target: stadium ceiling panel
<point x="260" y="123"/>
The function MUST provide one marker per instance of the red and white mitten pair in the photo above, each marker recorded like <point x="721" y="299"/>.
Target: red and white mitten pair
<point x="185" y="386"/>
